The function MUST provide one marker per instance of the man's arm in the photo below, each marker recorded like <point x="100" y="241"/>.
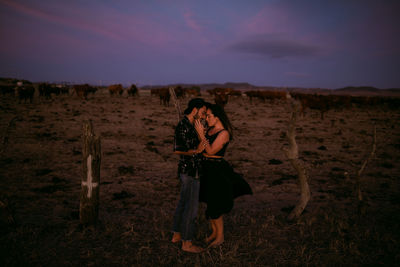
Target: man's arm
<point x="179" y="144"/>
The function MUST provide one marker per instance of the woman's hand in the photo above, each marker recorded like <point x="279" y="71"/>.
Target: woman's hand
<point x="200" y="148"/>
<point x="199" y="129"/>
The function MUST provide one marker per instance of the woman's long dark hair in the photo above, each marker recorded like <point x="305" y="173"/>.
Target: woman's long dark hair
<point x="219" y="112"/>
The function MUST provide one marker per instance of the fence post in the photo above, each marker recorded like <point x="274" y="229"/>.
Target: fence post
<point x="90" y="192"/>
<point x="176" y="102"/>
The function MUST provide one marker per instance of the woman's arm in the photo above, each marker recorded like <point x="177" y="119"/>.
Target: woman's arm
<point x="218" y="144"/>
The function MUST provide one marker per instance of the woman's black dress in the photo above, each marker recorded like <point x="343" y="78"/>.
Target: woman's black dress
<point x="220" y="184"/>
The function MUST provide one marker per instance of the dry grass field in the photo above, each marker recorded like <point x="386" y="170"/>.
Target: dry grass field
<point x="40" y="185"/>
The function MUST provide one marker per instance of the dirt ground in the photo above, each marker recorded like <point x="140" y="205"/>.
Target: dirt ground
<point x="40" y="178"/>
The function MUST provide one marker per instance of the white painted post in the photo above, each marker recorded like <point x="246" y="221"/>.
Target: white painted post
<point x="90" y="192"/>
<point x="89" y="182"/>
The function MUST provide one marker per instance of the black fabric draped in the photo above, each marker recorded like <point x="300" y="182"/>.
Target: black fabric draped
<point x="220" y="185"/>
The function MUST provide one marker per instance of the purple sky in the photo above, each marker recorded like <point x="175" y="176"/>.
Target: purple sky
<point x="304" y="43"/>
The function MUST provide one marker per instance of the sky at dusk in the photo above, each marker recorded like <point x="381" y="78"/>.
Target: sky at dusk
<point x="300" y="43"/>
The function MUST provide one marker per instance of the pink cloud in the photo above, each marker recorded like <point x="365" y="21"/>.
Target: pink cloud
<point x="138" y="30"/>
<point x="47" y="47"/>
<point x="75" y="23"/>
<point x="270" y="19"/>
<point x="191" y="22"/>
<point x="106" y="22"/>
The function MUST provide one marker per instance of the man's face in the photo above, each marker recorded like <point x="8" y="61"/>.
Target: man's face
<point x="201" y="113"/>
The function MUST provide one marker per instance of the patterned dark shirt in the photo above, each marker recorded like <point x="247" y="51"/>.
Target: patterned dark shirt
<point x="186" y="139"/>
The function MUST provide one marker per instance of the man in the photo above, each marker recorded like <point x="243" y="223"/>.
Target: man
<point x="188" y="146"/>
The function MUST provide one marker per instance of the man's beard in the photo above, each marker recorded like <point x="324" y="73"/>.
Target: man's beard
<point x="196" y="116"/>
<point x="202" y="121"/>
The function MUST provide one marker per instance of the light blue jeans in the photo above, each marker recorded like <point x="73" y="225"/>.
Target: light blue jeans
<point x="188" y="205"/>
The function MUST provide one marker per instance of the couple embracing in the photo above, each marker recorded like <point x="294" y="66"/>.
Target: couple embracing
<point x="204" y="174"/>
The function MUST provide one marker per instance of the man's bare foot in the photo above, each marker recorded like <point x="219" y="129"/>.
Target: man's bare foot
<point x="192" y="248"/>
<point x="176" y="238"/>
<point x="216" y="243"/>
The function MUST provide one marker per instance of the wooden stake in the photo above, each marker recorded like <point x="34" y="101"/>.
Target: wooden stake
<point x="4" y="141"/>
<point x="90" y="192"/>
<point x="360" y="171"/>
<point x="176" y="103"/>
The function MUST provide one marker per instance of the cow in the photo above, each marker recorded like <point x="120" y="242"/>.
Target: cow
<point x="82" y="90"/>
<point x="322" y="103"/>
<point x="271" y="95"/>
<point x="235" y="93"/>
<point x="251" y="94"/>
<point x="133" y="90"/>
<point x="221" y="96"/>
<point x="180" y="92"/>
<point x="164" y="95"/>
<point x="63" y="89"/>
<point x="115" y="89"/>
<point x="221" y="99"/>
<point x="45" y="90"/>
<point x="193" y="91"/>
<point x="210" y="92"/>
<point x="219" y="90"/>
<point x="154" y="91"/>
<point x="7" y="89"/>
<point x="25" y="92"/>
<point x="339" y="102"/>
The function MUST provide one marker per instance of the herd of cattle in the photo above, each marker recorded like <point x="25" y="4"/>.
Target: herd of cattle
<point x="25" y="92"/>
<point x="322" y="103"/>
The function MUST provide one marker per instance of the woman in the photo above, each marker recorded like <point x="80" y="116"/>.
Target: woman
<point x="219" y="184"/>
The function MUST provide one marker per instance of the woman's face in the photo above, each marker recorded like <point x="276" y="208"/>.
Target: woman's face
<point x="211" y="120"/>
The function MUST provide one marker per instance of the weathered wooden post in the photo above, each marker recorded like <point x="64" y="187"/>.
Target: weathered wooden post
<point x="10" y="125"/>
<point x="360" y="171"/>
<point x="292" y="153"/>
<point x="90" y="192"/>
<point x="176" y="103"/>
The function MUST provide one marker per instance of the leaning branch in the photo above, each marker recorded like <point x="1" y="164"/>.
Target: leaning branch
<point x="360" y="171"/>
<point x="292" y="154"/>
<point x="176" y="103"/>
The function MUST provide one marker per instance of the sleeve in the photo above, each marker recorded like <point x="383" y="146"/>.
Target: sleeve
<point x="179" y="138"/>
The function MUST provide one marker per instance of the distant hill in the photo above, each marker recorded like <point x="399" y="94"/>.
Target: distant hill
<point x="349" y="90"/>
<point x="244" y="86"/>
<point x="205" y="86"/>
<point x="12" y="81"/>
<point x="367" y="90"/>
<point x="352" y="89"/>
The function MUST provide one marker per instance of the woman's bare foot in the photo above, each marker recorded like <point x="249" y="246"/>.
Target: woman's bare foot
<point x="210" y="238"/>
<point x="176" y="238"/>
<point x="189" y="247"/>
<point x="216" y="243"/>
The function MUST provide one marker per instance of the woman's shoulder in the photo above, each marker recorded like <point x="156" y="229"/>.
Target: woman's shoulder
<point x="212" y="131"/>
<point x="223" y="134"/>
